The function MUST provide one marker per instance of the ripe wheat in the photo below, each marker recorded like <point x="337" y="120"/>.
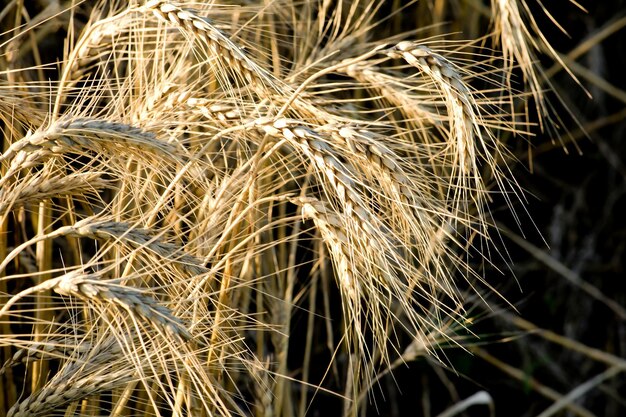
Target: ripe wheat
<point x="192" y="185"/>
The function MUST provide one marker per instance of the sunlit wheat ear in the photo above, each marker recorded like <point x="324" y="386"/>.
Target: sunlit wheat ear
<point x="91" y="289"/>
<point x="400" y="92"/>
<point x="519" y="47"/>
<point x="39" y="187"/>
<point x="469" y="143"/>
<point x="80" y="135"/>
<point x="338" y="174"/>
<point x="363" y="274"/>
<point x="331" y="227"/>
<point x="74" y="382"/>
<point x="384" y="168"/>
<point x="219" y="111"/>
<point x="95" y="38"/>
<point x="521" y="41"/>
<point x="70" y="348"/>
<point x="358" y="219"/>
<point x="123" y="234"/>
<point x="375" y="283"/>
<point x="89" y="367"/>
<point x="232" y="58"/>
<point x="418" y="220"/>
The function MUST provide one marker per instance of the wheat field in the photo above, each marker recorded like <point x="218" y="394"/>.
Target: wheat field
<point x="269" y="208"/>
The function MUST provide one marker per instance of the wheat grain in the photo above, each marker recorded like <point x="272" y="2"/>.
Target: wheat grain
<point x="209" y="108"/>
<point x="331" y="226"/>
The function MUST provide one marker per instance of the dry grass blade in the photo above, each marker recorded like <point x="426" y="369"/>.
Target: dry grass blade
<point x="535" y="385"/>
<point x="579" y="391"/>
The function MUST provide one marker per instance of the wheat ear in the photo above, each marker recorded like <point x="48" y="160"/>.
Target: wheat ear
<point x="412" y="206"/>
<point x="91" y="134"/>
<point x="79" y="135"/>
<point x="399" y="91"/>
<point x="89" y="288"/>
<point x="73" y="384"/>
<point x="41" y="187"/>
<point x="56" y="348"/>
<point x="464" y="119"/>
<point x="219" y="44"/>
<point x="96" y="228"/>
<point x="93" y="38"/>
